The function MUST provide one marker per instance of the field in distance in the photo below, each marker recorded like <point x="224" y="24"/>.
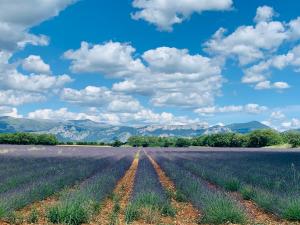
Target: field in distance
<point x="86" y="185"/>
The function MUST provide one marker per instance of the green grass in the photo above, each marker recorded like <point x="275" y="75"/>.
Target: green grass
<point x="113" y="218"/>
<point x="148" y="206"/>
<point x="14" y="218"/>
<point x="33" y="216"/>
<point x="265" y="200"/>
<point x="221" y="211"/>
<point x="292" y="210"/>
<point x="232" y="184"/>
<point x="180" y="196"/>
<point x="72" y="213"/>
<point x="2" y="211"/>
<point x="132" y="213"/>
<point x="247" y="192"/>
<point x="284" y="146"/>
<point x="168" y="210"/>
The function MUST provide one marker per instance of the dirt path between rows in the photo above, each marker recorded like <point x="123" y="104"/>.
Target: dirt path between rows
<point x="186" y="213"/>
<point x="123" y="191"/>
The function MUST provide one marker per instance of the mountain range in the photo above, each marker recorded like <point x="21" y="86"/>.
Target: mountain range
<point x="87" y="130"/>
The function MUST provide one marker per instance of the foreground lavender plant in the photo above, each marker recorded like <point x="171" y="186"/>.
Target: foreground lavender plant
<point x="216" y="207"/>
<point x="149" y="197"/>
<point x="79" y="206"/>
<point x="30" y="173"/>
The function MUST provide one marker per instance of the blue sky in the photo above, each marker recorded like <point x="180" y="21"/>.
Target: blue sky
<point x="140" y="62"/>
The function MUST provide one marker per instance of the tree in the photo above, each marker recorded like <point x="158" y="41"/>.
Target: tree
<point x="239" y="141"/>
<point x="182" y="142"/>
<point x="292" y="138"/>
<point x="263" y="138"/>
<point x="117" y="143"/>
<point x="28" y="139"/>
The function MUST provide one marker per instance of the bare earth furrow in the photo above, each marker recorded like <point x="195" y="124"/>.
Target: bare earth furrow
<point x="186" y="213"/>
<point x="123" y="191"/>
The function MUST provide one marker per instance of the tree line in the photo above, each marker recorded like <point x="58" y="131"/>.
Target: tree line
<point x="255" y="139"/>
<point x="46" y="139"/>
<point x="28" y="139"/>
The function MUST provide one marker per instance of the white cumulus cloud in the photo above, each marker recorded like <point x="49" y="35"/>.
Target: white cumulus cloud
<point x="9" y="111"/>
<point x="240" y="44"/>
<point x="17" y="17"/>
<point x="165" y="13"/>
<point x="112" y="59"/>
<point x="170" y="76"/>
<point x="249" y="108"/>
<point x="144" y="116"/>
<point x="264" y="14"/>
<point x="35" y="64"/>
<point x="101" y="97"/>
<point x="15" y="98"/>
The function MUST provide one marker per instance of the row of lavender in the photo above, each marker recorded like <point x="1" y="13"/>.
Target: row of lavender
<point x="149" y="200"/>
<point x="80" y="205"/>
<point x="216" y="207"/>
<point x="33" y="174"/>
<point x="271" y="179"/>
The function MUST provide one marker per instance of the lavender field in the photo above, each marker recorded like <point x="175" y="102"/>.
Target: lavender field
<point x="76" y="185"/>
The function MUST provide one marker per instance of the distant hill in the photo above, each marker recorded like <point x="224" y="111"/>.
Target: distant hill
<point x="87" y="130"/>
<point x="10" y="125"/>
<point x="244" y="128"/>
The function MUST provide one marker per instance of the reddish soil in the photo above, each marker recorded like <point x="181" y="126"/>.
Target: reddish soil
<point x="41" y="208"/>
<point x="123" y="190"/>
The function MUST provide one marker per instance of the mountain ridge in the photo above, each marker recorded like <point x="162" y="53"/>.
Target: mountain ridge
<point x="88" y="130"/>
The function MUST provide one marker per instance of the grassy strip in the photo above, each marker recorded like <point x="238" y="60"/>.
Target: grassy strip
<point x="79" y="206"/>
<point x="216" y="207"/>
<point x="114" y="216"/>
<point x="149" y="207"/>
